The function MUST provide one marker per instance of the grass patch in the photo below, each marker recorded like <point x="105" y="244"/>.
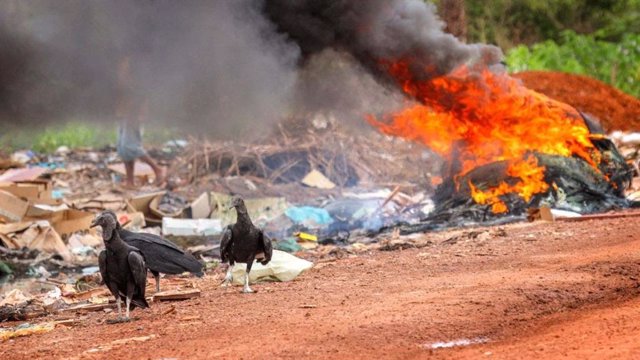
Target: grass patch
<point x="74" y="135"/>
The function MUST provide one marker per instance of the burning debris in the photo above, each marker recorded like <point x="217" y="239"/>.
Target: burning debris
<point x="506" y="148"/>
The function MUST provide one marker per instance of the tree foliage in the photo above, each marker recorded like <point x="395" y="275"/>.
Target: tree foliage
<point x="615" y="63"/>
<point x="509" y="23"/>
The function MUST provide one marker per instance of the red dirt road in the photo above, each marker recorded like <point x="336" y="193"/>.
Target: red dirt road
<point x="540" y="290"/>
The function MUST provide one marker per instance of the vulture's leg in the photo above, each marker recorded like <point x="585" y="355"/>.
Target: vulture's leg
<point x="118" y="301"/>
<point x="229" y="277"/>
<point x="128" y="305"/>
<point x="247" y="289"/>
<point x="156" y="275"/>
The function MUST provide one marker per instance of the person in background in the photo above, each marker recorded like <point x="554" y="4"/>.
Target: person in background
<point x="131" y="111"/>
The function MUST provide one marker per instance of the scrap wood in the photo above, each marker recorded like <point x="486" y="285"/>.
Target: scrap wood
<point x="175" y="295"/>
<point x="89" y="307"/>
<point x="20" y="312"/>
<point x="170" y="310"/>
<point x="133" y="339"/>
<point x="395" y="192"/>
<point x="85" y="295"/>
<point x="119" y="342"/>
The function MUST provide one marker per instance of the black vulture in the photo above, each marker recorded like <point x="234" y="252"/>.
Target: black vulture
<point x="122" y="267"/>
<point x="160" y="254"/>
<point x="243" y="242"/>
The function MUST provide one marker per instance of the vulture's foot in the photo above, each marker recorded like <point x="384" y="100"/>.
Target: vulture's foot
<point x="246" y="289"/>
<point x="227" y="279"/>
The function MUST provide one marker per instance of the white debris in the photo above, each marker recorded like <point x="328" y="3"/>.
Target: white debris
<point x="455" y="343"/>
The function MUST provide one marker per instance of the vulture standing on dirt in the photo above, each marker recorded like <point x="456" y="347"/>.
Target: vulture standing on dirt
<point x="122" y="267"/>
<point x="160" y="255"/>
<point x="243" y="242"/>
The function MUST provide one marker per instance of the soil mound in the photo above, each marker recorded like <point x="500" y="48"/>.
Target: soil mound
<point x="614" y="108"/>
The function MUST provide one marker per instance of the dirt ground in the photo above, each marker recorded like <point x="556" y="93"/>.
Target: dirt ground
<point x="530" y="290"/>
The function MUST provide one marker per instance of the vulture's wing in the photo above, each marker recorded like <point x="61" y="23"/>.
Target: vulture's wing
<point x="161" y="255"/>
<point x="268" y="248"/>
<point x="102" y="264"/>
<point x="226" y="244"/>
<point x="138" y="269"/>
<point x="140" y="238"/>
<point x="139" y="274"/>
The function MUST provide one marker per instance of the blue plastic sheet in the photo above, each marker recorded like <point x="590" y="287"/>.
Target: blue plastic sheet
<point x="309" y="216"/>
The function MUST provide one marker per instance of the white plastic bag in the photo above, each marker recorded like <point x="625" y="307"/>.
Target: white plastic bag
<point x="282" y="267"/>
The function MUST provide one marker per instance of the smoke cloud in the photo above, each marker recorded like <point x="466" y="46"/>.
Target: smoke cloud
<point x="217" y="67"/>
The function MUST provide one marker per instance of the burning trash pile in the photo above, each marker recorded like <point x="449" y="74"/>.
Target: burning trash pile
<point x="507" y="148"/>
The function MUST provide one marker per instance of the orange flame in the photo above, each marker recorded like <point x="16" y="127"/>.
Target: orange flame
<point x="484" y="117"/>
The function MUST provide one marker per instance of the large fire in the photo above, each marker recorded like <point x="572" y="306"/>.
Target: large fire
<point x="480" y="117"/>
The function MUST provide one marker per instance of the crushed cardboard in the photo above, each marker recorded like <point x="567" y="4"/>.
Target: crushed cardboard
<point x="141" y="203"/>
<point x="140" y="169"/>
<point x="36" y="191"/>
<point x="12" y="208"/>
<point x="38" y="235"/>
<point x="23" y="174"/>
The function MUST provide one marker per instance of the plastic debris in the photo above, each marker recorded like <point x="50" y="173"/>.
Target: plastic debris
<point x="26" y="329"/>
<point x="282" y="267"/>
<point x="316" y="179"/>
<point x="309" y="216"/>
<point x="289" y="245"/>
<point x="191" y="227"/>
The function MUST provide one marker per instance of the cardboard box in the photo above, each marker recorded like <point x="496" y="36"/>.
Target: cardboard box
<point x="12" y="208"/>
<point x="37" y="235"/>
<point x="65" y="221"/>
<point x="200" y="208"/>
<point x="141" y="204"/>
<point x="37" y="191"/>
<point x="69" y="221"/>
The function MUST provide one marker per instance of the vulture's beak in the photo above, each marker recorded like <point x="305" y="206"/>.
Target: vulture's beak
<point x="94" y="223"/>
<point x="231" y="207"/>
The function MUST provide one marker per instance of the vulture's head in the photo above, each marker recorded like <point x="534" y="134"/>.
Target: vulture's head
<point x="238" y="204"/>
<point x="108" y="221"/>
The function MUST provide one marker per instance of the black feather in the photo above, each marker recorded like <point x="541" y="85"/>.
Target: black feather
<point x="243" y="241"/>
<point x="122" y="266"/>
<point x="161" y="255"/>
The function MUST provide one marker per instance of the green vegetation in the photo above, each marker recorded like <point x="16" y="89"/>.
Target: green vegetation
<point x="508" y="23"/>
<point x="74" y="135"/>
<point x="598" y="38"/>
<point x="617" y="64"/>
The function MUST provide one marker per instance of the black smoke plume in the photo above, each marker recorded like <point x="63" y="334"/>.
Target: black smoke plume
<point x="223" y="67"/>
